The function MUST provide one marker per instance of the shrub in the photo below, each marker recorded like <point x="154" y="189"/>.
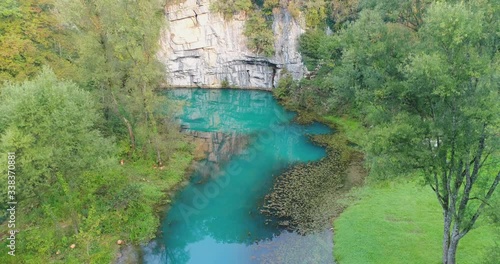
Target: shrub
<point x="230" y="7"/>
<point x="282" y="91"/>
<point x="224" y="83"/>
<point x="259" y="34"/>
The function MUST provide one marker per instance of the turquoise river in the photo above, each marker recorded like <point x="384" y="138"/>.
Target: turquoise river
<point x="247" y="140"/>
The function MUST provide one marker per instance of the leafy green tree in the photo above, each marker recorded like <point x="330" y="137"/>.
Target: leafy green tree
<point x="315" y="13"/>
<point x="406" y="12"/>
<point x="364" y="61"/>
<point x="342" y="11"/>
<point x="269" y="6"/>
<point x="310" y="46"/>
<point x="428" y="88"/>
<point x="50" y="125"/>
<point x="73" y="190"/>
<point x="441" y="120"/>
<point x="117" y="42"/>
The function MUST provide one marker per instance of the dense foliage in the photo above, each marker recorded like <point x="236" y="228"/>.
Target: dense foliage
<point x="228" y="8"/>
<point x="69" y="136"/>
<point x="30" y="37"/>
<point x="117" y="41"/>
<point x="51" y="126"/>
<point x="260" y="37"/>
<point x="424" y="77"/>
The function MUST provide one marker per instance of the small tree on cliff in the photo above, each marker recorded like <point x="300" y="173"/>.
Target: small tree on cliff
<point x="443" y="119"/>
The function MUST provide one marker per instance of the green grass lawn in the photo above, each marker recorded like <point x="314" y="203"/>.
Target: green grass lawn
<point x="401" y="223"/>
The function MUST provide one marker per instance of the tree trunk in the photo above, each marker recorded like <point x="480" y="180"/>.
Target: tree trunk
<point x="130" y="134"/>
<point x="451" y="237"/>
<point x="451" y="253"/>
<point x="130" y="129"/>
<point x="158" y="157"/>
<point x="446" y="236"/>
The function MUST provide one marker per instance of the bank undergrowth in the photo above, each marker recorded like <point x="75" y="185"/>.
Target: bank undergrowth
<point x="97" y="149"/>
<point x="404" y="70"/>
<point x="75" y="197"/>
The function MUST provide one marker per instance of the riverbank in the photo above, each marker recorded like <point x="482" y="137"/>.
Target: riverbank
<point x="159" y="186"/>
<point x="350" y="174"/>
<point x="134" y="196"/>
<point x="398" y="221"/>
<point x="306" y="198"/>
<point x="251" y="139"/>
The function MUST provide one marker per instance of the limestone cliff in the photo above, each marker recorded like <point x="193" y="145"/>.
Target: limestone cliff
<point x="201" y="49"/>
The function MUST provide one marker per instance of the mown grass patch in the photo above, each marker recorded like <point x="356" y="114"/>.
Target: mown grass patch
<point x="401" y="222"/>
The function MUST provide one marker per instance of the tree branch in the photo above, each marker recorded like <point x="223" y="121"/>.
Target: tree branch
<point x="481" y="207"/>
<point x="477" y="159"/>
<point x="480" y="199"/>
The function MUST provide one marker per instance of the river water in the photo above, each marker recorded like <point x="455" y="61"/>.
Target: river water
<point x="247" y="139"/>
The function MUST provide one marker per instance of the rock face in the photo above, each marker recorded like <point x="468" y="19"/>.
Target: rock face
<point x="201" y="49"/>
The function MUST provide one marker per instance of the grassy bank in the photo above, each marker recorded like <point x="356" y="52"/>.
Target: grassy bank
<point x="125" y="208"/>
<point x="353" y="129"/>
<point x="397" y="222"/>
<point x="401" y="222"/>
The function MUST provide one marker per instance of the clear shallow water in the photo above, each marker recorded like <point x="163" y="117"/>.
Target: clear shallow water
<point x="248" y="139"/>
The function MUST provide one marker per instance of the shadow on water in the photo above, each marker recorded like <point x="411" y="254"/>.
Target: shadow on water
<point x="247" y="139"/>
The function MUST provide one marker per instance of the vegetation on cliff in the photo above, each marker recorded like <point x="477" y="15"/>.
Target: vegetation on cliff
<point x="312" y="14"/>
<point x="260" y="37"/>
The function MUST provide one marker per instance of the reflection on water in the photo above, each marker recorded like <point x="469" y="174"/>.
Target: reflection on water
<point x="247" y="139"/>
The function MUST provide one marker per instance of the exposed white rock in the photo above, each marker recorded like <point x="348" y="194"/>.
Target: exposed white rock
<point x="201" y="49"/>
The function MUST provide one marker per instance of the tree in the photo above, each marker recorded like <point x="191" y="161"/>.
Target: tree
<point x="429" y="90"/>
<point x="260" y="38"/>
<point x="315" y="13"/>
<point x="406" y="12"/>
<point x="442" y="119"/>
<point x="371" y="54"/>
<point x="50" y="125"/>
<point x="117" y="43"/>
<point x="342" y="11"/>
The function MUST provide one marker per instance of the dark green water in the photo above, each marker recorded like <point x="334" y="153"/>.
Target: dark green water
<point x="248" y="140"/>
